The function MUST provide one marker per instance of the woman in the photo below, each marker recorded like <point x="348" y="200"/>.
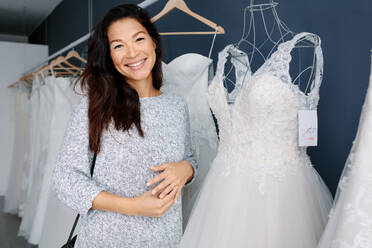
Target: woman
<point x="140" y="135"/>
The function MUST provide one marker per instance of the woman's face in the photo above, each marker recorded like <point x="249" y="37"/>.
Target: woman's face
<point x="132" y="50"/>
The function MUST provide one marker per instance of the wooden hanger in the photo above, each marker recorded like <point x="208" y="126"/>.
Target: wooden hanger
<point x="181" y="5"/>
<point x="27" y="79"/>
<point x="74" y="54"/>
<point x="57" y="63"/>
<point x="57" y="66"/>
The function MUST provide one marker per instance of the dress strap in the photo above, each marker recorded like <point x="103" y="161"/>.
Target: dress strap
<point x="318" y="66"/>
<point x="222" y="58"/>
<point x="240" y="61"/>
<point x="313" y="97"/>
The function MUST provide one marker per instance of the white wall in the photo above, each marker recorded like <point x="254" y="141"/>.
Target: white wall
<point x="15" y="59"/>
<point x="13" y="38"/>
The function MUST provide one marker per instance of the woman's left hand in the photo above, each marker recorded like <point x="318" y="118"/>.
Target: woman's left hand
<point x="173" y="175"/>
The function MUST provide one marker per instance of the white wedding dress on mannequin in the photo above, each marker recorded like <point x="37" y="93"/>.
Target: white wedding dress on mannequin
<point x="187" y="75"/>
<point x="350" y="222"/>
<point x="261" y="190"/>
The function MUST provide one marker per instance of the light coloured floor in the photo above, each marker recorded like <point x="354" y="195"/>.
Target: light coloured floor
<point x="8" y="230"/>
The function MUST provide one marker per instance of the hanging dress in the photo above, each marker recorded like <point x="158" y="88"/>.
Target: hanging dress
<point x="40" y="152"/>
<point x="53" y="216"/>
<point x="350" y="222"/>
<point x="187" y="76"/>
<point x="12" y="199"/>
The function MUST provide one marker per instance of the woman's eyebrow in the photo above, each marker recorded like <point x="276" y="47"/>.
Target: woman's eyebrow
<point x="139" y="32"/>
<point x="116" y="40"/>
<point x="120" y="40"/>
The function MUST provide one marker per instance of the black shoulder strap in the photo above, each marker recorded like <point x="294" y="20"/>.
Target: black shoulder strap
<point x="93" y="164"/>
<point x="78" y="216"/>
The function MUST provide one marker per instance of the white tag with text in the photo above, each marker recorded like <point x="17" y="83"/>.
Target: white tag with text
<point x="307" y="128"/>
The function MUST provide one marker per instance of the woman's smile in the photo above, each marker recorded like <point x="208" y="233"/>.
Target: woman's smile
<point x="137" y="65"/>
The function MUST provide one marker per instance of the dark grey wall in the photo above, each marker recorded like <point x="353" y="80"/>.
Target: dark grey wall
<point x="343" y="26"/>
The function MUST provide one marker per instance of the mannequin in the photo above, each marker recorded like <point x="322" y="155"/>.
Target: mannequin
<point x="262" y="32"/>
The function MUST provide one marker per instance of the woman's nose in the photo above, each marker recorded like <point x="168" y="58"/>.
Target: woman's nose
<point x="132" y="51"/>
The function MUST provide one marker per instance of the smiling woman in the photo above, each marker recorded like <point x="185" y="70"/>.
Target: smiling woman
<point x="141" y="137"/>
<point x="133" y="56"/>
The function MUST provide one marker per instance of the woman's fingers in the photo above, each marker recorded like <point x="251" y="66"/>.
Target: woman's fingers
<point x="168" y="200"/>
<point x="167" y="190"/>
<point x="160" y="187"/>
<point x="159" y="167"/>
<point x="178" y="194"/>
<point x="156" y="179"/>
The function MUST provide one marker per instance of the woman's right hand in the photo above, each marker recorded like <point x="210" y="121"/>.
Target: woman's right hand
<point x="150" y="205"/>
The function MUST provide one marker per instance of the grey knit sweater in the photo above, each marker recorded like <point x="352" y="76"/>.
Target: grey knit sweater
<point x="122" y="168"/>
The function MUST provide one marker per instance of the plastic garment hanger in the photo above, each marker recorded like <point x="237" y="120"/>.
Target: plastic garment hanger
<point x="181" y="5"/>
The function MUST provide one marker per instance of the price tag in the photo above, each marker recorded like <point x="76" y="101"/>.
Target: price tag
<point x="307" y="128"/>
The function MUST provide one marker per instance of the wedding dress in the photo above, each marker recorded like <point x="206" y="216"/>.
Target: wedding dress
<point x="64" y="100"/>
<point x="188" y="75"/>
<point x="350" y="222"/>
<point x="14" y="188"/>
<point x="39" y="153"/>
<point x="261" y="189"/>
<point x="54" y="219"/>
<point x="32" y="145"/>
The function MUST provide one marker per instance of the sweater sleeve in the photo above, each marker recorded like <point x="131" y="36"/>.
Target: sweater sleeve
<point x="72" y="182"/>
<point x="189" y="153"/>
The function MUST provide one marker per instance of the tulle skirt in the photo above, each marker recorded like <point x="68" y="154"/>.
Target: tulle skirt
<point x="232" y="212"/>
<point x="350" y="223"/>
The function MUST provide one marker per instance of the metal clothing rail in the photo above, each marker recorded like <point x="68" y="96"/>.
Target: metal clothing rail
<point x="143" y="4"/>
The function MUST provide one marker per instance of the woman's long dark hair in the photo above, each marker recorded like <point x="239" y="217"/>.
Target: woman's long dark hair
<point x="111" y="98"/>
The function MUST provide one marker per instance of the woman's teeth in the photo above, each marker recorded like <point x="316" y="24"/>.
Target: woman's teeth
<point x="136" y="64"/>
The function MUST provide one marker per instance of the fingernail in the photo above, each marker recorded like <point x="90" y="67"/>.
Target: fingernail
<point x="148" y="184"/>
<point x="153" y="192"/>
<point x="161" y="197"/>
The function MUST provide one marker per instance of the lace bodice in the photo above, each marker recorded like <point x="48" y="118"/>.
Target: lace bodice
<point x="260" y="129"/>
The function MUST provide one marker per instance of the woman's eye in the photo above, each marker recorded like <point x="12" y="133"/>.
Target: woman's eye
<point x="139" y="39"/>
<point x="118" y="46"/>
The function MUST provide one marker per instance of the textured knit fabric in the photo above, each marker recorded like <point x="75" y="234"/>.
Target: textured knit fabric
<point x="122" y="168"/>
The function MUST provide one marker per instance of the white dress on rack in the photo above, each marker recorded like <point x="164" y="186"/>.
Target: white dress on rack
<point x="39" y="152"/>
<point x="64" y="101"/>
<point x="32" y="145"/>
<point x="14" y="188"/>
<point x="261" y="190"/>
<point x="350" y="222"/>
<point x="55" y="219"/>
<point x="188" y="75"/>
